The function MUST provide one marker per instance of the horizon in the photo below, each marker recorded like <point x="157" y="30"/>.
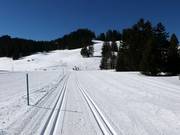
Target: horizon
<point x="47" y="20"/>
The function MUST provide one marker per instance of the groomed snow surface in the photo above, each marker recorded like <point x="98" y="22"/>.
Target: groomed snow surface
<point x="85" y="102"/>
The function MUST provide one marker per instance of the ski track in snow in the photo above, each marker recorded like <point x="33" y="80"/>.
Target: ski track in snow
<point x="87" y="102"/>
<point x="136" y="104"/>
<point x="103" y="123"/>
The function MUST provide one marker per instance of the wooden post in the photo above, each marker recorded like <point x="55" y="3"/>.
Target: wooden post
<point x="27" y="82"/>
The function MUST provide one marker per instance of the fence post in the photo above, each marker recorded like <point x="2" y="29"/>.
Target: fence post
<point x="27" y="83"/>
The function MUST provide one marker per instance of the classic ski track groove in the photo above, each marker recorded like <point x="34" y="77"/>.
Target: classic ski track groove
<point x="52" y="121"/>
<point x="102" y="122"/>
<point x="40" y="102"/>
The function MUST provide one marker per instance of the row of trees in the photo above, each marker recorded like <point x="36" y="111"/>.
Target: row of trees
<point x="16" y="47"/>
<point x="77" y="39"/>
<point x="110" y="35"/>
<point x="144" y="48"/>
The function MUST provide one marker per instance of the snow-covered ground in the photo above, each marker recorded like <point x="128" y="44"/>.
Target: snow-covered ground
<point x="13" y="103"/>
<point x="136" y="104"/>
<point x="89" y="101"/>
<point x="55" y="60"/>
<point x="45" y="71"/>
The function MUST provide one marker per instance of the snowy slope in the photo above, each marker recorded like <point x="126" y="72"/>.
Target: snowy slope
<point x="45" y="71"/>
<point x="54" y="60"/>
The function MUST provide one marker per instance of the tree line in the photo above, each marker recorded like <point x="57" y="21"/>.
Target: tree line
<point x="17" y="47"/>
<point x="76" y="39"/>
<point x="144" y="48"/>
<point x="110" y="35"/>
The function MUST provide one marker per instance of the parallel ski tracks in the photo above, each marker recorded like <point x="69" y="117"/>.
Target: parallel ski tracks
<point x="35" y="116"/>
<point x="51" y="123"/>
<point x="101" y="120"/>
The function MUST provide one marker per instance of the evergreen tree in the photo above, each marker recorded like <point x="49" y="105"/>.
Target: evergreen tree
<point x="163" y="44"/>
<point x="87" y="51"/>
<point x="135" y="38"/>
<point x="101" y="37"/>
<point x="112" y="35"/>
<point x="173" y="59"/>
<point x="84" y="52"/>
<point x="122" y="60"/>
<point x="91" y="50"/>
<point x="161" y="35"/>
<point x="114" y="47"/>
<point x="114" y="50"/>
<point x="113" y="61"/>
<point x="149" y="64"/>
<point x="106" y="56"/>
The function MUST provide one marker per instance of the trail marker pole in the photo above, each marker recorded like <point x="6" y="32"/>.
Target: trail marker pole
<point x="27" y="82"/>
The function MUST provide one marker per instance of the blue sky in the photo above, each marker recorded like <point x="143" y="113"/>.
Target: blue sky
<point x="50" y="19"/>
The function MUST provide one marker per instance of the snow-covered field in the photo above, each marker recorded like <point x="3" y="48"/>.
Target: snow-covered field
<point x="13" y="103"/>
<point x="85" y="102"/>
<point x="136" y="104"/>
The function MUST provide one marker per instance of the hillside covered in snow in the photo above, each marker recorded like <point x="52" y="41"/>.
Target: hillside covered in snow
<point x="54" y="60"/>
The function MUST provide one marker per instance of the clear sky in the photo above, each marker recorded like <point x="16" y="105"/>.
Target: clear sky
<point x="50" y="19"/>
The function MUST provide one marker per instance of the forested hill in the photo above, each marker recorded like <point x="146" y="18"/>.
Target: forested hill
<point x="76" y="39"/>
<point x="17" y="47"/>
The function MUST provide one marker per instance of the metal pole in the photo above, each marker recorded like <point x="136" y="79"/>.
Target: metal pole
<point x="12" y="65"/>
<point x="27" y="82"/>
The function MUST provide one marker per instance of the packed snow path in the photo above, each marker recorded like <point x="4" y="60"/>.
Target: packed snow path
<point x="66" y="109"/>
<point x="55" y="123"/>
<point x="102" y="102"/>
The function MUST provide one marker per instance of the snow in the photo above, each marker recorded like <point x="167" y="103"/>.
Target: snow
<point x="13" y="93"/>
<point x="131" y="103"/>
<point x="55" y="60"/>
<point x="136" y="104"/>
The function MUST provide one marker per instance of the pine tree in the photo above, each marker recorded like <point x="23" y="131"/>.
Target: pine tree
<point x="91" y="50"/>
<point x="135" y="38"/>
<point x="149" y="64"/>
<point x="84" y="52"/>
<point x="173" y="59"/>
<point x="161" y="35"/>
<point x="106" y="56"/>
<point x="114" y="47"/>
<point x="114" y="50"/>
<point x="163" y="44"/>
<point x="123" y="60"/>
<point x="101" y="37"/>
